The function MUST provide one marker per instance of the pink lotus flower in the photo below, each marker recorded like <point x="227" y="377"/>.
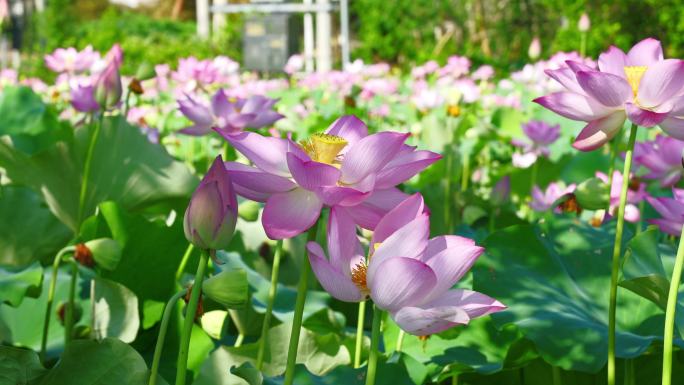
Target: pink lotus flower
<point x="71" y="61"/>
<point x="483" y="73"/>
<point x="344" y="167"/>
<point x="83" y="98"/>
<point x="294" y="64"/>
<point x="671" y="210"/>
<point x="405" y="273"/>
<point x="228" y="116"/>
<point x="541" y="135"/>
<point x="544" y="200"/>
<point x="663" y="158"/>
<point x="635" y="194"/>
<point x="193" y="74"/>
<point x="640" y="86"/>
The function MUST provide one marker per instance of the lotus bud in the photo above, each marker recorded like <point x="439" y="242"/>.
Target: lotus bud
<point x="106" y="252"/>
<point x="535" y="49"/>
<point x="249" y="210"/>
<point x="145" y="71"/>
<point x="108" y="88"/>
<point x="501" y="191"/>
<point x="592" y="194"/>
<point x="584" y="23"/>
<point x="210" y="218"/>
<point x="61" y="312"/>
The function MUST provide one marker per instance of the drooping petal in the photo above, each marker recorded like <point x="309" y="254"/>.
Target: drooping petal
<point x="368" y="213"/>
<point x="409" y="241"/>
<point x="673" y="127"/>
<point x="645" y="53"/>
<point x="426" y="321"/>
<point x="566" y="77"/>
<point x="402" y="282"/>
<point x="220" y="104"/>
<point x="370" y="155"/>
<point x="349" y="127"/>
<point x="195" y="111"/>
<point x="474" y="303"/>
<point x="335" y="282"/>
<point x="267" y="153"/>
<point x="312" y="175"/>
<point x="399" y="217"/>
<point x="265" y="118"/>
<point x="291" y="213"/>
<point x="341" y="195"/>
<point x="574" y="106"/>
<point x="437" y="244"/>
<point x="600" y="131"/>
<point x="613" y="61"/>
<point x="196" y="130"/>
<point x="343" y="243"/>
<point x="610" y="90"/>
<point x="450" y="265"/>
<point x="661" y="82"/>
<point x="255" y="180"/>
<point x="642" y="117"/>
<point x="404" y="167"/>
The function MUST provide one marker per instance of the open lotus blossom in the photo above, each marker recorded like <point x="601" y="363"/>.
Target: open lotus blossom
<point x="671" y="210"/>
<point x="71" y="61"/>
<point x="342" y="167"/>
<point x="635" y="194"/>
<point x="662" y="157"/>
<point x="640" y="86"/>
<point x="228" y="116"/>
<point x="541" y="135"/>
<point x="195" y="74"/>
<point x="405" y="273"/>
<point x="544" y="200"/>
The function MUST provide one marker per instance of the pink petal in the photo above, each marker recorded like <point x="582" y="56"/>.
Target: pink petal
<point x="402" y="282"/>
<point x="252" y="180"/>
<point x="613" y="61"/>
<point x="566" y="77"/>
<point x="450" y="265"/>
<point x="368" y="213"/>
<point x="661" y="82"/>
<point x="668" y="226"/>
<point x="196" y="130"/>
<point x="610" y="90"/>
<point x="599" y="132"/>
<point x="645" y="53"/>
<point x="438" y="244"/>
<point x="220" y="104"/>
<point x="673" y="127"/>
<point x="404" y="167"/>
<point x="343" y="243"/>
<point x="474" y="303"/>
<point x="349" y="127"/>
<point x="642" y="117"/>
<point x="409" y="241"/>
<point x="335" y="282"/>
<point x="632" y="213"/>
<point x="341" y="195"/>
<point x="399" y="217"/>
<point x="291" y="213"/>
<point x="426" y="321"/>
<point x="311" y="175"/>
<point x="574" y="106"/>
<point x="195" y="111"/>
<point x="267" y="153"/>
<point x="370" y="155"/>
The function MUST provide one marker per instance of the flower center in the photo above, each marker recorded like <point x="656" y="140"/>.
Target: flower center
<point x="358" y="276"/>
<point x="323" y="148"/>
<point x="634" y="74"/>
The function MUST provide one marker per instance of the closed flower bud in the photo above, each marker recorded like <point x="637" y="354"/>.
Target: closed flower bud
<point x="584" y="24"/>
<point x="535" y="49"/>
<point x="106" y="252"/>
<point x="249" y="210"/>
<point x="108" y="88"/>
<point x="210" y="218"/>
<point x="145" y="71"/>
<point x="592" y="194"/>
<point x="61" y="312"/>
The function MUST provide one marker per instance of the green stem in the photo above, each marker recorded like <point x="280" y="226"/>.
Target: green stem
<point x="166" y="317"/>
<point x="614" y="148"/>
<point x="556" y="375"/>
<point x="235" y="317"/>
<point x="359" y="334"/>
<point x="670" y="312"/>
<point x="375" y="344"/>
<point x="535" y="172"/>
<point x="69" y="310"/>
<point x="400" y="340"/>
<point x="190" y="312"/>
<point x="184" y="262"/>
<point x="50" y="299"/>
<point x="447" y="190"/>
<point x="454" y="379"/>
<point x="583" y="44"/>
<point x="298" y="313"/>
<point x="86" y="169"/>
<point x="630" y="375"/>
<point x="238" y="340"/>
<point x="465" y="175"/>
<point x="640" y="222"/>
<point x="616" y="254"/>
<point x="269" y="306"/>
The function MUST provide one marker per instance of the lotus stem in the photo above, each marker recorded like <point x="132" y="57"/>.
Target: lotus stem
<point x="50" y="298"/>
<point x="616" y="254"/>
<point x="375" y="344"/>
<point x="163" y="328"/>
<point x="670" y="312"/>
<point x="359" y="334"/>
<point x="269" y="306"/>
<point x="400" y="340"/>
<point x="69" y="310"/>
<point x="299" y="313"/>
<point x="184" y="261"/>
<point x="190" y="312"/>
<point x="86" y="169"/>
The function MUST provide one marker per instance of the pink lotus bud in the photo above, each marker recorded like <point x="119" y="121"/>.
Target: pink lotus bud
<point x="210" y="218"/>
<point x="108" y="88"/>
<point x="584" y="23"/>
<point x="535" y="49"/>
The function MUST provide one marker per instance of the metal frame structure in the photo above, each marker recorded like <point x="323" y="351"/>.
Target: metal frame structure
<point x="321" y="8"/>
